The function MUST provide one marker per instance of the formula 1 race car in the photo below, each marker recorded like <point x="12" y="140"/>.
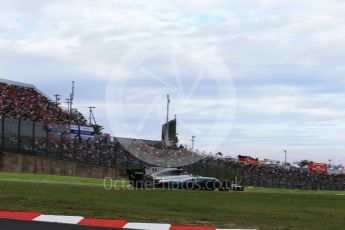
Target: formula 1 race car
<point x="175" y="178"/>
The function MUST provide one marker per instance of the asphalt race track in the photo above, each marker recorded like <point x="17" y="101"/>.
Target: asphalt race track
<point x="6" y="224"/>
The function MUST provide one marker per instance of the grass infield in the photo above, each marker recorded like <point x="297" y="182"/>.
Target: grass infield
<point x="255" y="208"/>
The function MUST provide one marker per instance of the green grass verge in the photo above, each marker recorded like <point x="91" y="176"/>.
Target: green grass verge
<point x="293" y="191"/>
<point x="50" y="179"/>
<point x="256" y="208"/>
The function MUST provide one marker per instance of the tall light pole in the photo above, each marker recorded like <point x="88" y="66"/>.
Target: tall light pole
<point x="193" y="140"/>
<point x="168" y="104"/>
<point x="285" y="151"/>
<point x="91" y="115"/>
<point x="72" y="97"/>
<point x="68" y="102"/>
<point x="167" y="127"/>
<point x="57" y="99"/>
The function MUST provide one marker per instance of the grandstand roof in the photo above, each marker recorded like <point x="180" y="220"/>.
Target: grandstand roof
<point x="9" y="82"/>
<point x="21" y="84"/>
<point x="124" y="139"/>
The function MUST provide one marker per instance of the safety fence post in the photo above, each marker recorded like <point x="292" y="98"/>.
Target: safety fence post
<point x="3" y="117"/>
<point x="62" y="136"/>
<point x="47" y="142"/>
<point x="19" y="134"/>
<point x="75" y="147"/>
<point x="34" y="136"/>
<point x="2" y="139"/>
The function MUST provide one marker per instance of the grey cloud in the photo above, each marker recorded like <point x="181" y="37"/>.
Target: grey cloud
<point x="264" y="43"/>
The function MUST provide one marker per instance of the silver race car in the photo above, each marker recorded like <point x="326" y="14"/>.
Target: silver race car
<point x="175" y="178"/>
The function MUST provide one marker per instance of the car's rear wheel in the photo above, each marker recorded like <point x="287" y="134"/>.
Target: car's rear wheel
<point x="211" y="186"/>
<point x="148" y="182"/>
<point x="225" y="186"/>
<point x="189" y="185"/>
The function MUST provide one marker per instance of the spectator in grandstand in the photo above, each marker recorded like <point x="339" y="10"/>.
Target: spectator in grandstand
<point x="28" y="103"/>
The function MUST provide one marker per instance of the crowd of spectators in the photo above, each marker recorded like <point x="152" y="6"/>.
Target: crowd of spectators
<point x="268" y="175"/>
<point x="166" y="157"/>
<point x="138" y="154"/>
<point x="27" y="102"/>
<point x="250" y="172"/>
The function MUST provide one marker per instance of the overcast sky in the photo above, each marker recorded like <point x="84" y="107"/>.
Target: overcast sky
<point x="285" y="63"/>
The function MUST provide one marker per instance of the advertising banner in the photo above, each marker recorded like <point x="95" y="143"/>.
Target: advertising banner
<point x="248" y="160"/>
<point x="83" y="132"/>
<point x="317" y="168"/>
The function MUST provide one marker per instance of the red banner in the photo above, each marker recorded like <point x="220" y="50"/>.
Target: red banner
<point x="248" y="160"/>
<point x="317" y="168"/>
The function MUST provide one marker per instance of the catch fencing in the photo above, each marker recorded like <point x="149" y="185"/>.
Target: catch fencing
<point x="53" y="141"/>
<point x="39" y="138"/>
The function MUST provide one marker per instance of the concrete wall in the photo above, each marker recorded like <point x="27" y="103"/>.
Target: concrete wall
<point x="21" y="163"/>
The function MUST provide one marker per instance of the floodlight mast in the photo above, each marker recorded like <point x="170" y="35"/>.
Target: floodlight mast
<point x="68" y="102"/>
<point x="57" y="99"/>
<point x="72" y="97"/>
<point x="91" y="115"/>
<point x="193" y="140"/>
<point x="167" y="127"/>
<point x="168" y="104"/>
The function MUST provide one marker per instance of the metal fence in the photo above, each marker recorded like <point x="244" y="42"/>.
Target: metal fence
<point x="266" y="176"/>
<point x="40" y="139"/>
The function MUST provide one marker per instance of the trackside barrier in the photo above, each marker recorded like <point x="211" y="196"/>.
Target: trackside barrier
<point x="27" y="137"/>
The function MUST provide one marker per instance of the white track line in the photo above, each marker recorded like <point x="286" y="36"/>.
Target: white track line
<point x="145" y="226"/>
<point x="59" y="219"/>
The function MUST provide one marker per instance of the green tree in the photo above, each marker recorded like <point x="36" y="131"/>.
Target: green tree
<point x="98" y="129"/>
<point x="303" y="163"/>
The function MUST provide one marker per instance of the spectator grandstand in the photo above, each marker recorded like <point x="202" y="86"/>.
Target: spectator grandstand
<point x="33" y="124"/>
<point x="21" y="100"/>
<point x="156" y="154"/>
